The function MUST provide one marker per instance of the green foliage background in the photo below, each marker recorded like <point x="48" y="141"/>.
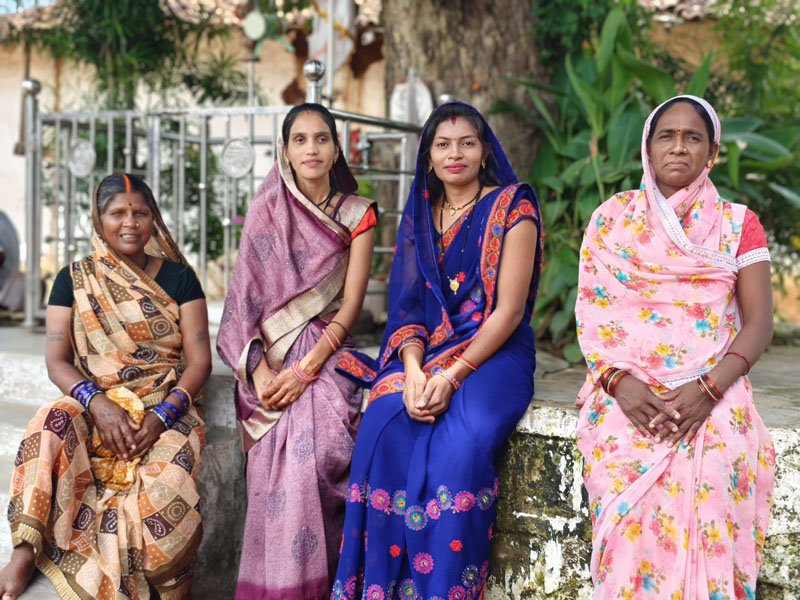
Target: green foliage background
<point x="604" y="81"/>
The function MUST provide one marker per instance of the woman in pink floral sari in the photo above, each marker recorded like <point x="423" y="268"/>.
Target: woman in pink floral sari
<point x="674" y="308"/>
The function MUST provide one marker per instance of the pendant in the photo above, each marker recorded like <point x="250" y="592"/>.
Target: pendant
<point x="454" y="285"/>
<point x="452" y="212"/>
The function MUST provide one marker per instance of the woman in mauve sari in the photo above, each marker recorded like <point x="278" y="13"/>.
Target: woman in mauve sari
<point x="297" y="289"/>
<point x="454" y="375"/>
<point x="103" y="499"/>
<point x="674" y="308"/>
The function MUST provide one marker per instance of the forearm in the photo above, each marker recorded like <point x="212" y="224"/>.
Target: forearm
<point x="64" y="375"/>
<point x="193" y="379"/>
<point x="750" y="343"/>
<point x="491" y="337"/>
<point x="338" y="330"/>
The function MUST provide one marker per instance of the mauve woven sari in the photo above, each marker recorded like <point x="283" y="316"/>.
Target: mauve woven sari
<point x="286" y="284"/>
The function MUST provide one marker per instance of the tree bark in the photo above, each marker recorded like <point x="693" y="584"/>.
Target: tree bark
<point x="472" y="49"/>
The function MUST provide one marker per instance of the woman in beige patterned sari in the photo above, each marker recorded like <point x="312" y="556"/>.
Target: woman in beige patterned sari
<point x="103" y="497"/>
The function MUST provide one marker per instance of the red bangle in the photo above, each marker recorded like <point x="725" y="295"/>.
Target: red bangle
<point x="709" y="388"/>
<point x="614" y="380"/>
<point x="330" y="341"/>
<point x="742" y="356"/>
<point x="467" y="362"/>
<point x="301" y="375"/>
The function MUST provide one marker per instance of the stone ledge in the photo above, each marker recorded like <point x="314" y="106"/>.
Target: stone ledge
<point x="543" y="532"/>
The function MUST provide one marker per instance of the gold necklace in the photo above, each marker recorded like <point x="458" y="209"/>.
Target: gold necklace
<point x="454" y="283"/>
<point x="455" y="209"/>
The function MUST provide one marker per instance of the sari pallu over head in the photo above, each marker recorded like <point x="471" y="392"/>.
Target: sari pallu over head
<point x="290" y="269"/>
<point x="657" y="279"/>
<point x="418" y="306"/>
<point x="125" y="330"/>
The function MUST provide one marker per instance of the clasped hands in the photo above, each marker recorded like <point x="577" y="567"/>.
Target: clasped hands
<point x="674" y="416"/>
<point x="276" y="391"/>
<point x="425" y="398"/>
<point x="119" y="432"/>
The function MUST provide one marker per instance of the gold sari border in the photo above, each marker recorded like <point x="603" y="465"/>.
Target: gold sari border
<point x="297" y="312"/>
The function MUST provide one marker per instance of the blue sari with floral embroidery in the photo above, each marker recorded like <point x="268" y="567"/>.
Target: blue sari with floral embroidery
<point x="423" y="497"/>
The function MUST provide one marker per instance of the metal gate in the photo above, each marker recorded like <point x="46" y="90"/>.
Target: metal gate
<point x="203" y="165"/>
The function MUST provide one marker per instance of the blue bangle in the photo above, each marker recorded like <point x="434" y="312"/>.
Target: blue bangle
<point x="166" y="419"/>
<point x="84" y="391"/>
<point x="181" y="395"/>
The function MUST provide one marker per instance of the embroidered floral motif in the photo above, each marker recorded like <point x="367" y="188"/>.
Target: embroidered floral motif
<point x="423" y="563"/>
<point x="417" y="516"/>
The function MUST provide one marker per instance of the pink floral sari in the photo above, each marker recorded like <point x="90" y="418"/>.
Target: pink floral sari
<point x="657" y="297"/>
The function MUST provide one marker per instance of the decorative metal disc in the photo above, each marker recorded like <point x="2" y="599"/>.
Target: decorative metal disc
<point x="237" y="158"/>
<point x="82" y="158"/>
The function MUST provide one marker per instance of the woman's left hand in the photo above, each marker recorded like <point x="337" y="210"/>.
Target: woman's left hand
<point x="694" y="408"/>
<point x="284" y="389"/>
<point x="436" y="396"/>
<point x="149" y="431"/>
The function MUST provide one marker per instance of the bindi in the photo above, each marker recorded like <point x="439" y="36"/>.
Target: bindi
<point x="453" y="120"/>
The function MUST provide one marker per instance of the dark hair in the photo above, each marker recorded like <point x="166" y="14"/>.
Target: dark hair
<point x="486" y="175"/>
<point x="116" y="184"/>
<point x="694" y="104"/>
<point x="326" y="115"/>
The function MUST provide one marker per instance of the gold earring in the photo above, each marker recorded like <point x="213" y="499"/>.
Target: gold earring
<point x="430" y="167"/>
<point x="710" y="163"/>
<point x="483" y="163"/>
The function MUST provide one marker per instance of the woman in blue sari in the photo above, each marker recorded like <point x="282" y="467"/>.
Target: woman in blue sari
<point x="454" y="376"/>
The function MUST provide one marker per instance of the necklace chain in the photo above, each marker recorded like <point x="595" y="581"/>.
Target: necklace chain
<point x="453" y="281"/>
<point x="323" y="205"/>
<point x="455" y="209"/>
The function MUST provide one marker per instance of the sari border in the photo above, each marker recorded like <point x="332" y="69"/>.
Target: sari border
<point x="257" y="425"/>
<point x="401" y="335"/>
<point x="752" y="257"/>
<point x="282" y="328"/>
<point x="678" y="236"/>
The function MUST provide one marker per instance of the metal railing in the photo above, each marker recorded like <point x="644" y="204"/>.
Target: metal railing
<point x="202" y="163"/>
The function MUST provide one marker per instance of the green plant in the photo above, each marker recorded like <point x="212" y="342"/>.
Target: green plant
<point x="591" y="118"/>
<point x="131" y="44"/>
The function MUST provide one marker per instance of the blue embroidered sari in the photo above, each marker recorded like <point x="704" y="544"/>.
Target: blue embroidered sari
<point x="423" y="497"/>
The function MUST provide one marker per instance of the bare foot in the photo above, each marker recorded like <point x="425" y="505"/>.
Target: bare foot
<point x="16" y="575"/>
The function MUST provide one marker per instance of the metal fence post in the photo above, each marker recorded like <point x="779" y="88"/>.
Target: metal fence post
<point x="32" y="208"/>
<point x="314" y="71"/>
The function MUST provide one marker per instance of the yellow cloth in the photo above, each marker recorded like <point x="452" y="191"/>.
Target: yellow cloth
<point x="117" y="473"/>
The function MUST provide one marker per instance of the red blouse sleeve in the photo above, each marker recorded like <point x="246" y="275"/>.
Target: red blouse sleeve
<point x="368" y="221"/>
<point x="753" y="236"/>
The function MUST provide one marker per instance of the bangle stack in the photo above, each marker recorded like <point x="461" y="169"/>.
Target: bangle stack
<point x="448" y="376"/>
<point x="301" y="375"/>
<point x="709" y="388"/>
<point x="84" y="391"/>
<point x="167" y="412"/>
<point x="610" y="379"/>
<point x="743" y="357"/>
<point x="330" y="335"/>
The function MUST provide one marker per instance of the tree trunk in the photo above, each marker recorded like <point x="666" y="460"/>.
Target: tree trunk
<point x="472" y="49"/>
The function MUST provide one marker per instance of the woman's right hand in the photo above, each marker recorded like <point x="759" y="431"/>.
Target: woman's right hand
<point x="114" y="425"/>
<point x="262" y="377"/>
<point x="415" y="382"/>
<point x="641" y="405"/>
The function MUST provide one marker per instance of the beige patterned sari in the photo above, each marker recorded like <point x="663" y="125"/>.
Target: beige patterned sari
<point x="91" y="539"/>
